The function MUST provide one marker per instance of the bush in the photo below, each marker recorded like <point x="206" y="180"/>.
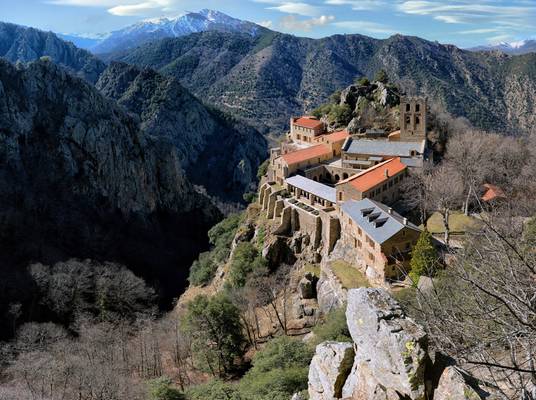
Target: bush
<point x="423" y="258"/>
<point x="381" y="76"/>
<point x="263" y="169"/>
<point x="202" y="270"/>
<point x="340" y="114"/>
<point x="279" y="370"/>
<point x="249" y="197"/>
<point x="334" y="328"/>
<point x="213" y="324"/>
<point x="362" y="81"/>
<point x="161" y="389"/>
<point x="214" y="390"/>
<point x="246" y="259"/>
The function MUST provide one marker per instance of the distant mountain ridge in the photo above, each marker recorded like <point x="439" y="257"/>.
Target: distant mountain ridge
<point x="160" y="28"/>
<point x="513" y="48"/>
<point x="20" y="43"/>
<point x="266" y="78"/>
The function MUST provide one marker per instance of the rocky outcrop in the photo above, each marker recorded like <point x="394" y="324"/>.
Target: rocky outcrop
<point x="391" y="360"/>
<point x="391" y="349"/>
<point x="329" y="369"/>
<point x="330" y="292"/>
<point x="217" y="153"/>
<point x="307" y="286"/>
<point x="78" y="179"/>
<point x="19" y="43"/>
<point x="456" y="384"/>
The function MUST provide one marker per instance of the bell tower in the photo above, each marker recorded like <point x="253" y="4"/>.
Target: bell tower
<point x="412" y="118"/>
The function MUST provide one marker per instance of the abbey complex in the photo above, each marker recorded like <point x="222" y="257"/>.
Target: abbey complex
<point x="337" y="186"/>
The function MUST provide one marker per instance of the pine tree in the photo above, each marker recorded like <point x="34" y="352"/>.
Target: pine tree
<point x="423" y="258"/>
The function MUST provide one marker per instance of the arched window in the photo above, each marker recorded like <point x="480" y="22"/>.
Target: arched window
<point x="345" y="176"/>
<point x="417" y="107"/>
<point x="337" y="178"/>
<point x="315" y="179"/>
<point x="408" y="107"/>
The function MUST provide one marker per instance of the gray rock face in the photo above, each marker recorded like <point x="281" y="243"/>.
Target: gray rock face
<point x="18" y="43"/>
<point x="455" y="384"/>
<point x="219" y="154"/>
<point x="329" y="369"/>
<point x="78" y="179"/>
<point x="391" y="348"/>
<point x="330" y="293"/>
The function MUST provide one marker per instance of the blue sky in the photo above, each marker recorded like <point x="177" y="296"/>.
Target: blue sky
<point x="461" y="22"/>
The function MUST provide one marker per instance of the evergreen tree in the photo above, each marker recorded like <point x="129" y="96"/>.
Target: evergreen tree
<point x="381" y="76"/>
<point x="423" y="257"/>
<point x="213" y="323"/>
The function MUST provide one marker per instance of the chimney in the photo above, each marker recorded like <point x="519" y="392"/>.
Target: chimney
<point x="405" y="221"/>
<point x="390" y="210"/>
<point x="386" y="173"/>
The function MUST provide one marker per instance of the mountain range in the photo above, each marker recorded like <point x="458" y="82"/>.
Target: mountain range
<point x="160" y="28"/>
<point x="513" y="48"/>
<point x="264" y="79"/>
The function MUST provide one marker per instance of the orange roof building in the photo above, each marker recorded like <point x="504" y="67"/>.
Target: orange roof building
<point x="309" y="153"/>
<point x="380" y="183"/>
<point x="334" y="137"/>
<point x="492" y="193"/>
<point x="308" y="122"/>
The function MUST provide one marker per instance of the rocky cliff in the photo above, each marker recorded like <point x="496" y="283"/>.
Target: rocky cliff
<point x="217" y="152"/>
<point x="388" y="360"/>
<point x="268" y="77"/>
<point x="78" y="178"/>
<point x="19" y="43"/>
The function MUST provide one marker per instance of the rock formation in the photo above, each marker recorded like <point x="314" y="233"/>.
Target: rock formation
<point x="217" y="153"/>
<point x="78" y="179"/>
<point x="390" y="359"/>
<point x="329" y="369"/>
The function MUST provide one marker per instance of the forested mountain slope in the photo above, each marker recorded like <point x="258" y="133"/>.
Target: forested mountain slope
<point x="78" y="178"/>
<point x="19" y="43"/>
<point x="218" y="153"/>
<point x="269" y="77"/>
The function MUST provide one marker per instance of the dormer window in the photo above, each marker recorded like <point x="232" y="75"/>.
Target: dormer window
<point x="380" y="222"/>
<point x="373" y="217"/>
<point x="366" y="211"/>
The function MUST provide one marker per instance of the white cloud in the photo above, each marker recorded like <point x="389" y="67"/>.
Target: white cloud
<point x="480" y="31"/>
<point x="304" y="9"/>
<point x="266" y="24"/>
<point x="365" y="27"/>
<point x="121" y="7"/>
<point x="291" y="23"/>
<point x="359" y="5"/>
<point x="449" y="19"/>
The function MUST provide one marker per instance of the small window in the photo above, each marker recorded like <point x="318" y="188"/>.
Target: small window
<point x="408" y="107"/>
<point x="417" y="107"/>
<point x="417" y="120"/>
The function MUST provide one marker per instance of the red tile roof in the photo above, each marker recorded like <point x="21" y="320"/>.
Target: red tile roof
<point x="336" y="136"/>
<point x="308" y="122"/>
<point x="492" y="192"/>
<point x="375" y="176"/>
<point x="306" y="154"/>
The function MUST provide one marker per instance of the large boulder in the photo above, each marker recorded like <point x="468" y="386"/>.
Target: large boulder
<point x="391" y="349"/>
<point x="307" y="286"/>
<point x="329" y="369"/>
<point x="456" y="384"/>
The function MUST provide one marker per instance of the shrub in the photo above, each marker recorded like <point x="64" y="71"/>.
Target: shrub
<point x="340" y="114"/>
<point x="249" y="197"/>
<point x="362" y="81"/>
<point x="213" y="324"/>
<point x="279" y="370"/>
<point x="381" y="76"/>
<point x="334" y="328"/>
<point x="202" y="270"/>
<point x="214" y="390"/>
<point x="246" y="259"/>
<point x="424" y="257"/>
<point x="263" y="169"/>
<point x="161" y="389"/>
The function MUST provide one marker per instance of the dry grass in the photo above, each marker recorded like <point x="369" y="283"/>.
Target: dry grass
<point x="458" y="222"/>
<point x="313" y="269"/>
<point x="349" y="276"/>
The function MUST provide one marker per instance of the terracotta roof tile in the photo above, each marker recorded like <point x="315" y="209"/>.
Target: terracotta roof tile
<point x="306" y="154"/>
<point x="336" y="136"/>
<point x="375" y="176"/>
<point x="308" y="122"/>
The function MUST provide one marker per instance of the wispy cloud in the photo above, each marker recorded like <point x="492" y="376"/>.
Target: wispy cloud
<point x="298" y="8"/>
<point x="266" y="23"/>
<point x="121" y="7"/>
<point x="359" y="5"/>
<point x="292" y="23"/>
<point x="365" y="27"/>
